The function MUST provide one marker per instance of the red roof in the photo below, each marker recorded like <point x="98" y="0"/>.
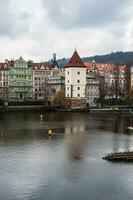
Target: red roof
<point x="4" y="65"/>
<point x="75" y="61"/>
<point x="105" y="67"/>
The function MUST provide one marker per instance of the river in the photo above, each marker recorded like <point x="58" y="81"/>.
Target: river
<point x="67" y="165"/>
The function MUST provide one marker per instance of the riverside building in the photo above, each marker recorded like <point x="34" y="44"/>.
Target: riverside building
<point x="75" y="81"/>
<point x="56" y="83"/>
<point x="20" y="81"/>
<point x="41" y="73"/>
<point x="4" y="81"/>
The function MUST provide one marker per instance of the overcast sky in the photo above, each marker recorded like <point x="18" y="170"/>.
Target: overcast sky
<point x="35" y="29"/>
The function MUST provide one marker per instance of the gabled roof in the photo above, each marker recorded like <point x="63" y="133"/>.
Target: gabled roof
<point x="40" y="66"/>
<point x="75" y="61"/>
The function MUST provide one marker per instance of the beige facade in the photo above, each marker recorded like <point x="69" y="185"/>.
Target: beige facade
<point x="40" y="77"/>
<point x="56" y="83"/>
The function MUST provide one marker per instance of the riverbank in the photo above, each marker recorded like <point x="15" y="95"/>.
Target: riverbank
<point x="125" y="112"/>
<point x="40" y="108"/>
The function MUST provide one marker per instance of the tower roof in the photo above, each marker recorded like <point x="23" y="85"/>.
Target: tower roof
<point x="75" y="61"/>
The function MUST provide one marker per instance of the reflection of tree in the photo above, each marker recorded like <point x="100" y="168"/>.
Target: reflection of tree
<point x="116" y="124"/>
<point x="120" y="126"/>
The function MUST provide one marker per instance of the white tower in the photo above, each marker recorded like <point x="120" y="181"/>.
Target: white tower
<point x="75" y="78"/>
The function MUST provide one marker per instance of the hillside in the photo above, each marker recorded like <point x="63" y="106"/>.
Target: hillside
<point x="117" y="58"/>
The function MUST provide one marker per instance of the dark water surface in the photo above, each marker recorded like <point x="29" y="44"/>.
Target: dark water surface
<point x="68" y="165"/>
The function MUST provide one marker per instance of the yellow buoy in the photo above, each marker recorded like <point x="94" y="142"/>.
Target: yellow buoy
<point x="49" y="132"/>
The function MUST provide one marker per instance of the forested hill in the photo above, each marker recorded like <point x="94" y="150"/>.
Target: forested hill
<point x="117" y="58"/>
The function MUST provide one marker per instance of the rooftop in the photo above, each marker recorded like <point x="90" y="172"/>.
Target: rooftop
<point x="75" y="61"/>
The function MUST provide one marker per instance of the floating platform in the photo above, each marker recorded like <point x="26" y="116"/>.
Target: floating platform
<point x="122" y="156"/>
<point x="130" y="128"/>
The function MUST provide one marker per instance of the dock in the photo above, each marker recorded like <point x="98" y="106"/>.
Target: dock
<point x="122" y="156"/>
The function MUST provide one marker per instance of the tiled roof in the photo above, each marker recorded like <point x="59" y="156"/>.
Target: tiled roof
<point x="75" y="61"/>
<point x="4" y="65"/>
<point x="105" y="67"/>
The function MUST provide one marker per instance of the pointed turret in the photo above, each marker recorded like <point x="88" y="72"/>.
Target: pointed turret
<point x="75" y="61"/>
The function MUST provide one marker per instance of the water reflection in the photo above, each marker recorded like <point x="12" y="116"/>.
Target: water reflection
<point x="67" y="165"/>
<point x="75" y="138"/>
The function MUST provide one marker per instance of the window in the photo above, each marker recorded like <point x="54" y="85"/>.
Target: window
<point x="78" y="81"/>
<point x="78" y="88"/>
<point x="78" y="73"/>
<point x="78" y="95"/>
<point x="67" y="88"/>
<point x="67" y="73"/>
<point x="68" y="81"/>
<point x="67" y="95"/>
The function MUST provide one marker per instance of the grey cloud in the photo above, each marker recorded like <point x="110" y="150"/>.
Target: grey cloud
<point x="86" y="13"/>
<point x="13" y="23"/>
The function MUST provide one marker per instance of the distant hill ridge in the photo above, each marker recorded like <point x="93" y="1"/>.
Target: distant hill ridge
<point x="117" y="58"/>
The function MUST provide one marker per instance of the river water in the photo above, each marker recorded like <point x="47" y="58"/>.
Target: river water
<point x="67" y="165"/>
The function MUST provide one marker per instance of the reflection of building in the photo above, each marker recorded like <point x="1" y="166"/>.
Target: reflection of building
<point x="75" y="81"/>
<point x="20" y="81"/>
<point x="75" y="138"/>
<point x="4" y="80"/>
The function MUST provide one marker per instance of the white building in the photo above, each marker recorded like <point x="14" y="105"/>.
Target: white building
<point x="92" y="90"/>
<point x="75" y="81"/>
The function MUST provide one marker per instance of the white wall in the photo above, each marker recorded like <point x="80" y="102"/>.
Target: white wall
<point x="75" y="82"/>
